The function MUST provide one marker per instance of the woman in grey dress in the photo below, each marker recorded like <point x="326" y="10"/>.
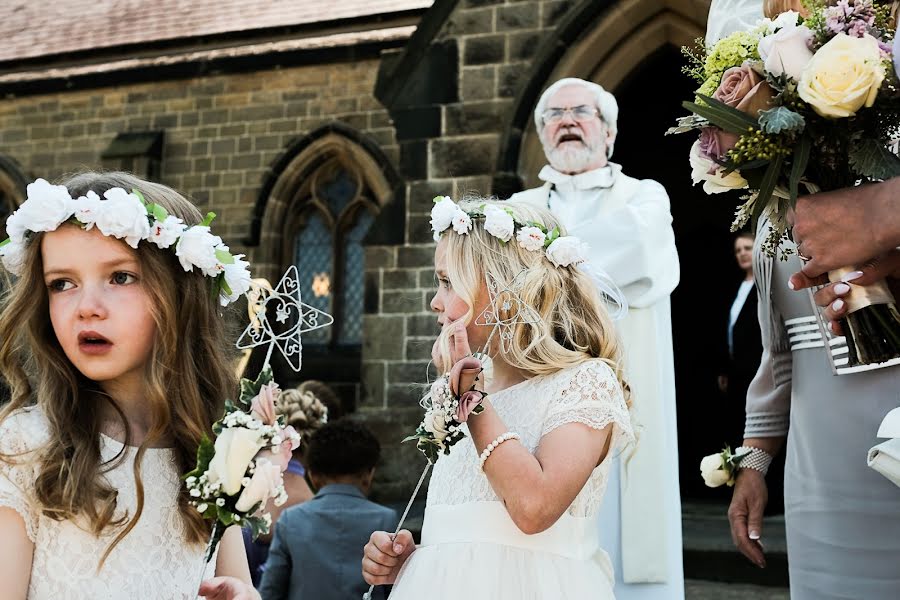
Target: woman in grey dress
<point x="842" y="518"/>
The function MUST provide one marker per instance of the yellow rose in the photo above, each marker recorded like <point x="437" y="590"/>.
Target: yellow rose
<point x="843" y="76"/>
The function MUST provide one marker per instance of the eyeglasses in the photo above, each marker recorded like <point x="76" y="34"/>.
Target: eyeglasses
<point x="579" y="113"/>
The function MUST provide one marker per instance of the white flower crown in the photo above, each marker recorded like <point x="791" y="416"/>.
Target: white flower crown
<point x="562" y="251"/>
<point x="127" y="216"/>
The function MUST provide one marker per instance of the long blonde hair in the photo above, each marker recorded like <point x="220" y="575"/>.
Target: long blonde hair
<point x="186" y="380"/>
<point x="574" y="326"/>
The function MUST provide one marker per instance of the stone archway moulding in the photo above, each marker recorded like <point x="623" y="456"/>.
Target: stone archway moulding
<point x="297" y="163"/>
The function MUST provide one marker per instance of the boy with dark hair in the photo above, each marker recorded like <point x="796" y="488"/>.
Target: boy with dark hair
<point x="318" y="545"/>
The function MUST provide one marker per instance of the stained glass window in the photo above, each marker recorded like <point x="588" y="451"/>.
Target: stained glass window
<point x="329" y="252"/>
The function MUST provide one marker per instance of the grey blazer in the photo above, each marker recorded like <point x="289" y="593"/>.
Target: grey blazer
<point x="317" y="550"/>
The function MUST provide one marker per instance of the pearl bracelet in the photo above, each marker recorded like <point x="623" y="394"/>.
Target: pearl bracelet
<point x="757" y="459"/>
<point x="509" y="435"/>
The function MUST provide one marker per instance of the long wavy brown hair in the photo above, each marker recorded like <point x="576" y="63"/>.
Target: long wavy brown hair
<point x="186" y="380"/>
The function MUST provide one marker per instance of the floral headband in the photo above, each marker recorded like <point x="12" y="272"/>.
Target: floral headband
<point x="562" y="251"/>
<point x="128" y="216"/>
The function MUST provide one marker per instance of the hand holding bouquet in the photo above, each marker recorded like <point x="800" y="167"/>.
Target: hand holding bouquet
<point x="242" y="470"/>
<point x="802" y="104"/>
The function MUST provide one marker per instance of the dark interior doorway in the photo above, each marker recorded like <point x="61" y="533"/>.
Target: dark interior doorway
<point x="649" y="103"/>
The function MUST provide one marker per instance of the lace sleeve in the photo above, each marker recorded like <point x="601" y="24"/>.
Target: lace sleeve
<point x="20" y="435"/>
<point x="591" y="395"/>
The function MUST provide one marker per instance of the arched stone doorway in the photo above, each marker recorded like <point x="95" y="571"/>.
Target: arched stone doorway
<point x="632" y="50"/>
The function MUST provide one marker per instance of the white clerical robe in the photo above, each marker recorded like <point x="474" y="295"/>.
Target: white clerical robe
<point x="628" y="226"/>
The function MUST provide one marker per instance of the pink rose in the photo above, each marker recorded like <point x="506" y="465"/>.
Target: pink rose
<point x="715" y="143"/>
<point x="463" y="374"/>
<point x="467" y="403"/>
<point x="263" y="404"/>
<point x="744" y="89"/>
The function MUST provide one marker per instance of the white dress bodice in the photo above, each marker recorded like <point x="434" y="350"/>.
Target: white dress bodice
<point x="152" y="561"/>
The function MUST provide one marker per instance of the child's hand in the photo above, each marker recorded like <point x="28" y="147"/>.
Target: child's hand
<point x="383" y="557"/>
<point x="227" y="588"/>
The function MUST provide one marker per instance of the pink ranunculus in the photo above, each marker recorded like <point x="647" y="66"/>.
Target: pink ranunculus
<point x="263" y="404"/>
<point x="463" y="374"/>
<point x="467" y="403"/>
<point x="715" y="143"/>
<point x="744" y="89"/>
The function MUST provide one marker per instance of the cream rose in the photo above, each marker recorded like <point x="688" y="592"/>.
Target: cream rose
<point x="712" y="174"/>
<point x="123" y="216"/>
<point x="712" y="469"/>
<point x="843" y="76"/>
<point x="234" y="449"/>
<point x="436" y="424"/>
<point x="263" y="485"/>
<point x="498" y="222"/>
<point x="787" y="51"/>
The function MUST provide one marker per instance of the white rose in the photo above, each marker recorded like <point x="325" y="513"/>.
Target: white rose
<point x="123" y="216"/>
<point x="46" y="208"/>
<point x="15" y="227"/>
<point x="442" y="214"/>
<point x="234" y="449"/>
<point x="567" y="250"/>
<point x="787" y="52"/>
<point x="197" y="248"/>
<point x="713" y="471"/>
<point x="13" y="256"/>
<point x="165" y="233"/>
<point x="711" y="174"/>
<point x="462" y="223"/>
<point x="843" y="76"/>
<point x="263" y="485"/>
<point x="237" y="277"/>
<point x="531" y="238"/>
<point x="436" y="424"/>
<point x="498" y="222"/>
<point x="87" y="208"/>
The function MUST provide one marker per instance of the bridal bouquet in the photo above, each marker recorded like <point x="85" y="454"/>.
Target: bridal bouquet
<point x="446" y="410"/>
<point x="236" y="475"/>
<point x="803" y="103"/>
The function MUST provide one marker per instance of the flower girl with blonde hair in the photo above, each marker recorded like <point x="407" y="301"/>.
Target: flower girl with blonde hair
<point x="113" y="343"/>
<point x="510" y="511"/>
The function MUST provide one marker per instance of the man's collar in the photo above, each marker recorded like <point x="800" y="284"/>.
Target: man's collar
<point x="343" y="489"/>
<point x="604" y="177"/>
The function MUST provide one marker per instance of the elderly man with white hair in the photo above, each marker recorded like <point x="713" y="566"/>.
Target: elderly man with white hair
<point x="628" y="226"/>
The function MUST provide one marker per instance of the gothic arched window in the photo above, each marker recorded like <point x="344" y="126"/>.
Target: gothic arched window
<point x="331" y="215"/>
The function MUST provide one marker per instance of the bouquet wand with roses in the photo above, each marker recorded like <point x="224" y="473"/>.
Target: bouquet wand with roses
<point x="238" y="473"/>
<point x="805" y="101"/>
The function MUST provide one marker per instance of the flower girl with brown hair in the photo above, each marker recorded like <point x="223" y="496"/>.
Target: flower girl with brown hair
<point x="511" y="510"/>
<point x="113" y="343"/>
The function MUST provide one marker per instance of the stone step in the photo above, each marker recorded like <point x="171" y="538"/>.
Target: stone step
<point x="711" y="590"/>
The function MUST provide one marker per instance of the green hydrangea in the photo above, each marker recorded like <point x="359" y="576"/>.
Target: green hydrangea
<point x="730" y="52"/>
<point x="710" y="86"/>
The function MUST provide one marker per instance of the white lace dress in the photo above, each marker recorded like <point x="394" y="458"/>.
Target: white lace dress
<point x="470" y="546"/>
<point x="150" y="562"/>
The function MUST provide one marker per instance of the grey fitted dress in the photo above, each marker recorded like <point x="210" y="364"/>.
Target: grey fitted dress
<point x="842" y="518"/>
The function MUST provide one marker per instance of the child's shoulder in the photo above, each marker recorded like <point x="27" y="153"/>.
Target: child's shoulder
<point x="23" y="430"/>
<point x="593" y="369"/>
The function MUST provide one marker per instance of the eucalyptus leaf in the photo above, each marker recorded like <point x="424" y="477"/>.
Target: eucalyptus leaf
<point x="781" y="119"/>
<point x="798" y="166"/>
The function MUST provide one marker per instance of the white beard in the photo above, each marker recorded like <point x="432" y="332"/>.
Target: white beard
<point x="571" y="158"/>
